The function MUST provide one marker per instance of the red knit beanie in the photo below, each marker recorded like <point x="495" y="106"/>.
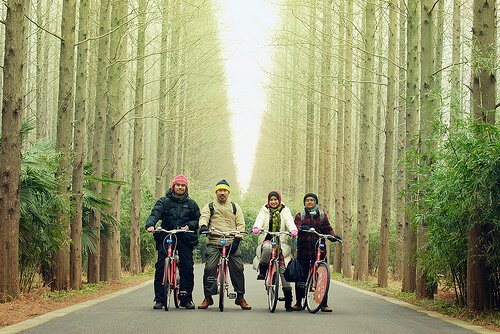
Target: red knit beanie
<point x="179" y="179"/>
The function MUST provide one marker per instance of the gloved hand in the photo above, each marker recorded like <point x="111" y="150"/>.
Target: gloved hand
<point x="304" y="227"/>
<point x="255" y="230"/>
<point x="294" y="233"/>
<point x="236" y="243"/>
<point x="203" y="228"/>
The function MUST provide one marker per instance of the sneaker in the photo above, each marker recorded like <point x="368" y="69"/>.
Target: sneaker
<point x="326" y="309"/>
<point x="243" y="304"/>
<point x="261" y="277"/>
<point x="158" y="306"/>
<point x="187" y="305"/>
<point x="206" y="303"/>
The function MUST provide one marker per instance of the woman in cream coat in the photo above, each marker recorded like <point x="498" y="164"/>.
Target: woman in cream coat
<point x="273" y="217"/>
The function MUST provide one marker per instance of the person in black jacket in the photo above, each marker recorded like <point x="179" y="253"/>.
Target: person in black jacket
<point x="176" y="210"/>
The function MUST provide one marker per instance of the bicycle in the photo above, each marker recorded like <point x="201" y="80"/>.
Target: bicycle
<point x="171" y="276"/>
<point x="222" y="267"/>
<point x="318" y="278"/>
<point x="273" y="273"/>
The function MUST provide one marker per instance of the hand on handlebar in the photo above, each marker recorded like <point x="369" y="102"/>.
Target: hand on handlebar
<point x="294" y="233"/>
<point x="150" y="229"/>
<point x="255" y="230"/>
<point x="334" y="238"/>
<point x="304" y="227"/>
<point x="203" y="229"/>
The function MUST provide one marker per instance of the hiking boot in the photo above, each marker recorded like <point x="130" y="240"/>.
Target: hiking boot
<point x="206" y="303"/>
<point x="262" y="272"/>
<point x="298" y="305"/>
<point x="187" y="305"/>
<point x="158" y="306"/>
<point x="326" y="308"/>
<point x="242" y="303"/>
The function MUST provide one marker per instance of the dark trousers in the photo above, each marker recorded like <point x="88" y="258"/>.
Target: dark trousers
<point x="300" y="286"/>
<point x="235" y="265"/>
<point x="186" y="272"/>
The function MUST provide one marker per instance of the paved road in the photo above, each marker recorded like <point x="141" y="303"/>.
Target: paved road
<point x="354" y="312"/>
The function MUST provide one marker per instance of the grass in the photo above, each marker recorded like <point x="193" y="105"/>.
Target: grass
<point x="443" y="302"/>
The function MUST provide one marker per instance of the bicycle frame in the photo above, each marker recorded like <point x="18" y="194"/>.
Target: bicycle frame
<point x="318" y="279"/>
<point x="222" y="267"/>
<point x="273" y="274"/>
<point x="170" y="269"/>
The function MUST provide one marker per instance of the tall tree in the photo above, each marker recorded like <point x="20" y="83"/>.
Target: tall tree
<point x="347" y="157"/>
<point x="412" y="120"/>
<point x="79" y="136"/>
<point x="383" y="258"/>
<point x="455" y="95"/>
<point x="484" y="60"/>
<point x="365" y="142"/>
<point x="61" y="276"/>
<point x="135" y="218"/>
<point x="339" y="165"/>
<point x="428" y="117"/>
<point x="10" y="148"/>
<point x="99" y="130"/>
<point x="311" y="74"/>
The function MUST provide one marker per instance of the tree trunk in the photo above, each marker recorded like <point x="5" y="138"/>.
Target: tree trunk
<point x="412" y="117"/>
<point x="455" y="93"/>
<point x="483" y="102"/>
<point x="339" y="161"/>
<point x="347" y="157"/>
<point x="385" y="222"/>
<point x="79" y="136"/>
<point x="311" y="73"/>
<point x="161" y="161"/>
<point x="94" y="262"/>
<point x="366" y="143"/>
<point x="61" y="276"/>
<point x="10" y="148"/>
<point x="135" y="220"/>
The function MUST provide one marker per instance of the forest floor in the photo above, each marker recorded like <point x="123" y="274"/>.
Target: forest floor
<point x="41" y="300"/>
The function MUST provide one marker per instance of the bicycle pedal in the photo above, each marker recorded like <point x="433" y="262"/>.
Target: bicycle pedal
<point x="231" y="295"/>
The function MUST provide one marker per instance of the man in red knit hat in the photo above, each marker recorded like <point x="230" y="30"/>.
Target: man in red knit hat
<point x="176" y="210"/>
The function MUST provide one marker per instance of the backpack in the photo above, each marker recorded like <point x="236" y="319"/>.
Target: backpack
<point x="211" y="207"/>
<point x="321" y="215"/>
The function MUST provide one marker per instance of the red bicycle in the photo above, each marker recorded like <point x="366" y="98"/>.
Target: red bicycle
<point x="318" y="279"/>
<point x="171" y="276"/>
<point x="273" y="273"/>
<point x="222" y="267"/>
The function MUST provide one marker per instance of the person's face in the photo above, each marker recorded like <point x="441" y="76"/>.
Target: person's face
<point x="310" y="203"/>
<point x="274" y="202"/>
<point x="222" y="195"/>
<point x="179" y="189"/>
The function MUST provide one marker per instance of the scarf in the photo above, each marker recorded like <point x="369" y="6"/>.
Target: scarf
<point x="275" y="218"/>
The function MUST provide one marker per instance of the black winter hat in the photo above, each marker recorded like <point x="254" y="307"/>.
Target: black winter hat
<point x="311" y="195"/>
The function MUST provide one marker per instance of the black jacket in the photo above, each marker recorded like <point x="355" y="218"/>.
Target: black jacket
<point x="175" y="212"/>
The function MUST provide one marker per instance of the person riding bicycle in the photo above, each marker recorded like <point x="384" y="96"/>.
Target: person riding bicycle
<point x="223" y="215"/>
<point x="177" y="211"/>
<point x="274" y="216"/>
<point x="310" y="216"/>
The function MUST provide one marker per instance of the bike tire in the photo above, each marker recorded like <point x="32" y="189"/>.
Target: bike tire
<point x="176" y="286"/>
<point x="317" y="288"/>
<point x="273" y="289"/>
<point x="222" y="284"/>
<point x="166" y="285"/>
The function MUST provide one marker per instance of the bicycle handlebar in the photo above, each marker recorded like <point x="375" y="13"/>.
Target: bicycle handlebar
<point x="325" y="236"/>
<point x="225" y="234"/>
<point x="159" y="229"/>
<point x="274" y="233"/>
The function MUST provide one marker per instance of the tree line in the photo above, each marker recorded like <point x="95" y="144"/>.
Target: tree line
<point x="387" y="110"/>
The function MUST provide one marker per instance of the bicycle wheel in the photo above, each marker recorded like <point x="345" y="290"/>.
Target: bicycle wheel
<point x="176" y="285"/>
<point x="317" y="288"/>
<point x="222" y="283"/>
<point x="166" y="284"/>
<point x="274" y="285"/>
